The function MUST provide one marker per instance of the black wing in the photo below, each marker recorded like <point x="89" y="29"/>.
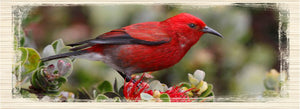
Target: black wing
<point x="116" y="37"/>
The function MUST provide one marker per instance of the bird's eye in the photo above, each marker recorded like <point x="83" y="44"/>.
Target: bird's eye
<point x="192" y="25"/>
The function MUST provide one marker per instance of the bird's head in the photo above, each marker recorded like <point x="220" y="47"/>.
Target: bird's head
<point x="189" y="28"/>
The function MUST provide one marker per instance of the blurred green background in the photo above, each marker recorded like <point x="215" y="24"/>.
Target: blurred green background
<point x="235" y="65"/>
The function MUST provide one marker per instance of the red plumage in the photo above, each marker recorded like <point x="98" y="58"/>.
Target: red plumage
<point x="142" y="47"/>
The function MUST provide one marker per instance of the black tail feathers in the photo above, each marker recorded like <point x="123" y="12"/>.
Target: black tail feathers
<point x="74" y="53"/>
<point x="79" y="43"/>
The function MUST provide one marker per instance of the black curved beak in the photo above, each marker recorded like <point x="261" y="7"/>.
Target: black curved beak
<point x="207" y="29"/>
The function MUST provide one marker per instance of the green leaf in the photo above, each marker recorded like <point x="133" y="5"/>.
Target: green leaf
<point x="24" y="54"/>
<point x="105" y="86"/>
<point x="54" y="44"/>
<point x="64" y="50"/>
<point x="208" y="91"/>
<point x="48" y="51"/>
<point x="33" y="80"/>
<point x="117" y="99"/>
<point x="185" y="84"/>
<point x="32" y="61"/>
<point x="61" y="79"/>
<point x="26" y="94"/>
<point x="145" y="96"/>
<point x="40" y="79"/>
<point x="165" y="97"/>
<point x="101" y="98"/>
<point x="52" y="93"/>
<point x="58" y="45"/>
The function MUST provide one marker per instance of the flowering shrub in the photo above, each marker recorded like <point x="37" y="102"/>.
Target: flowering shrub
<point x="132" y="90"/>
<point x="46" y="79"/>
<point x="173" y="94"/>
<point x="185" y="92"/>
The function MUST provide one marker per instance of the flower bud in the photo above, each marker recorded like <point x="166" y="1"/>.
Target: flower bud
<point x="202" y="88"/>
<point x="199" y="75"/>
<point x="156" y="94"/>
<point x="199" y="85"/>
<point x="63" y="68"/>
<point x="60" y="65"/>
<point x="194" y="81"/>
<point x="66" y="69"/>
<point x="50" y="69"/>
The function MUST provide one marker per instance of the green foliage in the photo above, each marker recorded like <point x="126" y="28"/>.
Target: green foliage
<point x="222" y="59"/>
<point x="24" y="54"/>
<point x="59" y="46"/>
<point x="48" y="77"/>
<point x="200" y="87"/>
<point x="28" y="63"/>
<point x="46" y="82"/>
<point x="56" y="47"/>
<point x="101" y="98"/>
<point x="225" y="60"/>
<point x="117" y="99"/>
<point x="165" y="97"/>
<point x="185" y="84"/>
<point x="106" y="93"/>
<point x="208" y="91"/>
<point x="45" y="79"/>
<point x="105" y="98"/>
<point x="27" y="94"/>
<point x="32" y="62"/>
<point x="196" y="90"/>
<point x="105" y="86"/>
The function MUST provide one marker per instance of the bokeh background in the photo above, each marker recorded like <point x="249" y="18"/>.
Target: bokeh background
<point x="235" y="65"/>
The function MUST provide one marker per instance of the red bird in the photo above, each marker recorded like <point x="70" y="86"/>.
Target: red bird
<point x="143" y="47"/>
